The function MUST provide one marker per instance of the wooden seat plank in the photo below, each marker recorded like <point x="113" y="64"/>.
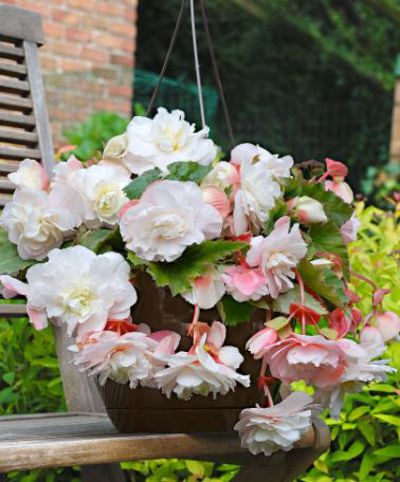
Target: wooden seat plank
<point x="17" y="103"/>
<point x="18" y="153"/>
<point x="17" y="120"/>
<point x="11" y="52"/>
<point x="54" y="440"/>
<point x="14" y="86"/>
<point x="18" y="137"/>
<point x="13" y="70"/>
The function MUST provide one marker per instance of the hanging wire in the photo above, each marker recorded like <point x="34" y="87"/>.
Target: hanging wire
<point x="196" y="63"/>
<point x="167" y="57"/>
<point x="216" y="73"/>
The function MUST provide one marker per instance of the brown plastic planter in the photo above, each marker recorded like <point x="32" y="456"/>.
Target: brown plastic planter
<point x="147" y="409"/>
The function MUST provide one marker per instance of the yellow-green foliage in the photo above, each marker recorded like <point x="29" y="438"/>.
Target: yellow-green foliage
<point x="366" y="438"/>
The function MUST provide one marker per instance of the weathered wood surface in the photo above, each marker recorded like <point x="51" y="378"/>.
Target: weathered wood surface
<point x="38" y="441"/>
<point x="18" y="23"/>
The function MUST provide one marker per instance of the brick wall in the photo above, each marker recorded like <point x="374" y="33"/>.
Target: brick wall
<point x="88" y="57"/>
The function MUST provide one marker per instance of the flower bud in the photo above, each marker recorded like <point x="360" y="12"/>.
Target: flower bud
<point x="116" y="148"/>
<point x="388" y="324"/>
<point x="309" y="211"/>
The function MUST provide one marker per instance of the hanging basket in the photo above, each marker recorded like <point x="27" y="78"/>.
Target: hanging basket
<point x="149" y="410"/>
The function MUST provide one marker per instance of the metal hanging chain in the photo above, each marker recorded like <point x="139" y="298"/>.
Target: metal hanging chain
<point x="197" y="64"/>
<point x="167" y="57"/>
<point x="216" y="72"/>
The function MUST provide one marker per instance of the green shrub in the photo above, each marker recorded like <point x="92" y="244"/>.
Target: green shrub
<point x="91" y="136"/>
<point x="366" y="438"/>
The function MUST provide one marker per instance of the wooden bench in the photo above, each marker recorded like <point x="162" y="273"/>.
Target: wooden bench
<point x="85" y="436"/>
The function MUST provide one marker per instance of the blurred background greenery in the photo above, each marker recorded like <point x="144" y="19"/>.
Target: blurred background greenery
<point x="314" y="79"/>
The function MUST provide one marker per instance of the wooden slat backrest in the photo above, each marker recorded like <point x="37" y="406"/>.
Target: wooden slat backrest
<point x="25" y="132"/>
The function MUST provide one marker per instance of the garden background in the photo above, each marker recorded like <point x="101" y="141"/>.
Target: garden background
<point x="313" y="79"/>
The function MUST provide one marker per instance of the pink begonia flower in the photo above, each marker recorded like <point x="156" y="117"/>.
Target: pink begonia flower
<point x="349" y="229"/>
<point x="207" y="290"/>
<point x="259" y="344"/>
<point x="336" y="169"/>
<point x="170" y="216"/>
<point x="209" y="367"/>
<point x="223" y="176"/>
<point x="217" y="199"/>
<point x="277" y="255"/>
<point x="122" y="358"/>
<point x="313" y="359"/>
<point x="12" y="287"/>
<point x="308" y="210"/>
<point x="244" y="283"/>
<point x="341" y="189"/>
<point x="343" y="322"/>
<point x="359" y="369"/>
<point x="267" y="430"/>
<point x="30" y="174"/>
<point x="388" y="325"/>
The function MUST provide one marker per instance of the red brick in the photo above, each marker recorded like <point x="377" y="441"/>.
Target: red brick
<point x="74" y="65"/>
<point x="75" y="34"/>
<point x="121" y="90"/>
<point x="108" y="8"/>
<point x="51" y="29"/>
<point x="81" y="4"/>
<point x="64" y="48"/>
<point x="95" y="55"/>
<point x="125" y="60"/>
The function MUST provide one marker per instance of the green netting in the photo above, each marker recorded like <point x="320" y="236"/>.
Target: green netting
<point x="176" y="94"/>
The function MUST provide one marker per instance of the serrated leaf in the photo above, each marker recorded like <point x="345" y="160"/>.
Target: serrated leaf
<point x="232" y="312"/>
<point x="283" y="302"/>
<point x="326" y="238"/>
<point x="194" y="262"/>
<point x="335" y="208"/>
<point x="137" y="187"/>
<point x="323" y="282"/>
<point x="187" y="171"/>
<point x="134" y="259"/>
<point x="95" y="239"/>
<point x="278" y="323"/>
<point x="10" y="262"/>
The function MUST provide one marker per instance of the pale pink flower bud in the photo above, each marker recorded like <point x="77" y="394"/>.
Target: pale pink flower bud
<point x="217" y="199"/>
<point x="261" y="341"/>
<point x="388" y="324"/>
<point x="309" y="210"/>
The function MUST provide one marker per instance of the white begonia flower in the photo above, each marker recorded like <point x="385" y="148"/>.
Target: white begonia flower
<point x="207" y="368"/>
<point x="102" y="186"/>
<point x="122" y="358"/>
<point x="361" y="368"/>
<point x="260" y="172"/>
<point x="30" y="174"/>
<point x="277" y="255"/>
<point x="37" y="221"/>
<point x="165" y="139"/>
<point x="207" y="290"/>
<point x="81" y="289"/>
<point x="223" y="176"/>
<point x="267" y="430"/>
<point x="169" y="216"/>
